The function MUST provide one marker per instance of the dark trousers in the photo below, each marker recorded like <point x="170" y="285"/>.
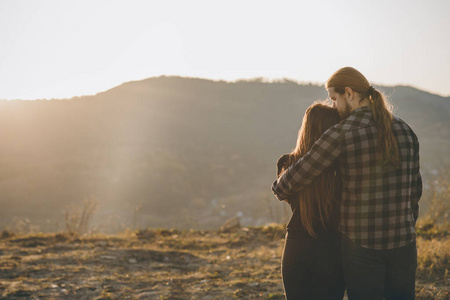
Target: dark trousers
<point x="312" y="269"/>
<point x="374" y="274"/>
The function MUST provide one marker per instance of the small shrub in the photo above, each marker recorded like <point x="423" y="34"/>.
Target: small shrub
<point x="77" y="219"/>
<point x="439" y="211"/>
<point x="433" y="261"/>
<point x="6" y="234"/>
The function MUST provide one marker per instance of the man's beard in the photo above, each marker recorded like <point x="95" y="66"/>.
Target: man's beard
<point x="345" y="112"/>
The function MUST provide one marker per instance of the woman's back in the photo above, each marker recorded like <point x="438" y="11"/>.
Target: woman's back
<point x="311" y="263"/>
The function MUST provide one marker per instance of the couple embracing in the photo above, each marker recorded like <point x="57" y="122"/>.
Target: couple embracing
<point x="353" y="184"/>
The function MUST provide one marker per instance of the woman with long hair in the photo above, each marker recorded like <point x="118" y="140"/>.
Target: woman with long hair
<point x="311" y="263"/>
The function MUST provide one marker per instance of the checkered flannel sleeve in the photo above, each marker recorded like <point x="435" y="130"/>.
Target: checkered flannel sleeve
<point x="416" y="185"/>
<point x="321" y="155"/>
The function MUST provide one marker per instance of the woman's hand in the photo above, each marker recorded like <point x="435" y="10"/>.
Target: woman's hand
<point x="282" y="164"/>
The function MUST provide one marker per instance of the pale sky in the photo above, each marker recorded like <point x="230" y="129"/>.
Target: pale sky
<point x="65" y="48"/>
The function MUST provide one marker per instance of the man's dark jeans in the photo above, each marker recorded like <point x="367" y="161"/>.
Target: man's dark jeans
<point x="374" y="274"/>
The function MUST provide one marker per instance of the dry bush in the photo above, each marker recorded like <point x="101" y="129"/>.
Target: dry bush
<point x="77" y="218"/>
<point x="433" y="264"/>
<point x="439" y="211"/>
<point x="433" y="244"/>
<point x="435" y="222"/>
<point x="433" y="259"/>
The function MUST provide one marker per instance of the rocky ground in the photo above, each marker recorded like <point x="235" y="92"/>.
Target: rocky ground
<point x="171" y="264"/>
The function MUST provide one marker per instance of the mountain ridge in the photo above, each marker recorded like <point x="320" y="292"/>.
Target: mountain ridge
<point x="249" y="80"/>
<point x="187" y="148"/>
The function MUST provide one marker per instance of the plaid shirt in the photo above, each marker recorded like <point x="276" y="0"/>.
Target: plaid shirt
<point x="378" y="208"/>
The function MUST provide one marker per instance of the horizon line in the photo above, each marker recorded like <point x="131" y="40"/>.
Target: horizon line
<point x="260" y="79"/>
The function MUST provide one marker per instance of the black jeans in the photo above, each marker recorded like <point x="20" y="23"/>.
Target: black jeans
<point x="374" y="274"/>
<point x="312" y="269"/>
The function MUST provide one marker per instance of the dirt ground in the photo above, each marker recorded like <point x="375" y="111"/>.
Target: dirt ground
<point x="156" y="264"/>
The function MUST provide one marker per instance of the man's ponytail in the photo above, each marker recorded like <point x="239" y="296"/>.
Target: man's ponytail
<point x="387" y="143"/>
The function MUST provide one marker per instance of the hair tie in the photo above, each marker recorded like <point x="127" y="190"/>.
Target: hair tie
<point x="370" y="91"/>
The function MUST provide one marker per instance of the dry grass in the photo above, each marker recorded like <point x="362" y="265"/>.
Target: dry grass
<point x="171" y="264"/>
<point x="433" y="277"/>
<point x="433" y="243"/>
<point x="152" y="264"/>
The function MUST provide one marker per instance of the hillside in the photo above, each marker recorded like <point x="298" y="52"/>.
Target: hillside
<point x="172" y="152"/>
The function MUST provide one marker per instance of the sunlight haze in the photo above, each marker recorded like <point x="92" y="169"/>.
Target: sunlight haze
<point x="60" y="49"/>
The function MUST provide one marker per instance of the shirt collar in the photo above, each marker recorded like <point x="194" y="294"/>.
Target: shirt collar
<point x="361" y="114"/>
<point x="361" y="109"/>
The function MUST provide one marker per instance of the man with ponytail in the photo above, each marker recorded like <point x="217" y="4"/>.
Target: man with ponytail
<point x="378" y="158"/>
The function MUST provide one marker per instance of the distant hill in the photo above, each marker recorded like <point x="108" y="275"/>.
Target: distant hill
<point x="194" y="152"/>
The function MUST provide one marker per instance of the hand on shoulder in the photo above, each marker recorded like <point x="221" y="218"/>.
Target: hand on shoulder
<point x="282" y="163"/>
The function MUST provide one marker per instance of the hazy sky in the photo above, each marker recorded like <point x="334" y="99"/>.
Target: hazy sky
<point x="58" y="49"/>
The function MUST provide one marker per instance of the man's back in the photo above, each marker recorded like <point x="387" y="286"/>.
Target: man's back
<point x="379" y="205"/>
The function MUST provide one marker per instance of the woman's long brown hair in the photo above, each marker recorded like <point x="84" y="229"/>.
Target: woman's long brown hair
<point x="316" y="199"/>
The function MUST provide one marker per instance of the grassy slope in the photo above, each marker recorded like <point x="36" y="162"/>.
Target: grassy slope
<point x="170" y="264"/>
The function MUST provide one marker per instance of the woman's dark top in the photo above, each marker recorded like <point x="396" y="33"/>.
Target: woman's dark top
<point x="295" y="228"/>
